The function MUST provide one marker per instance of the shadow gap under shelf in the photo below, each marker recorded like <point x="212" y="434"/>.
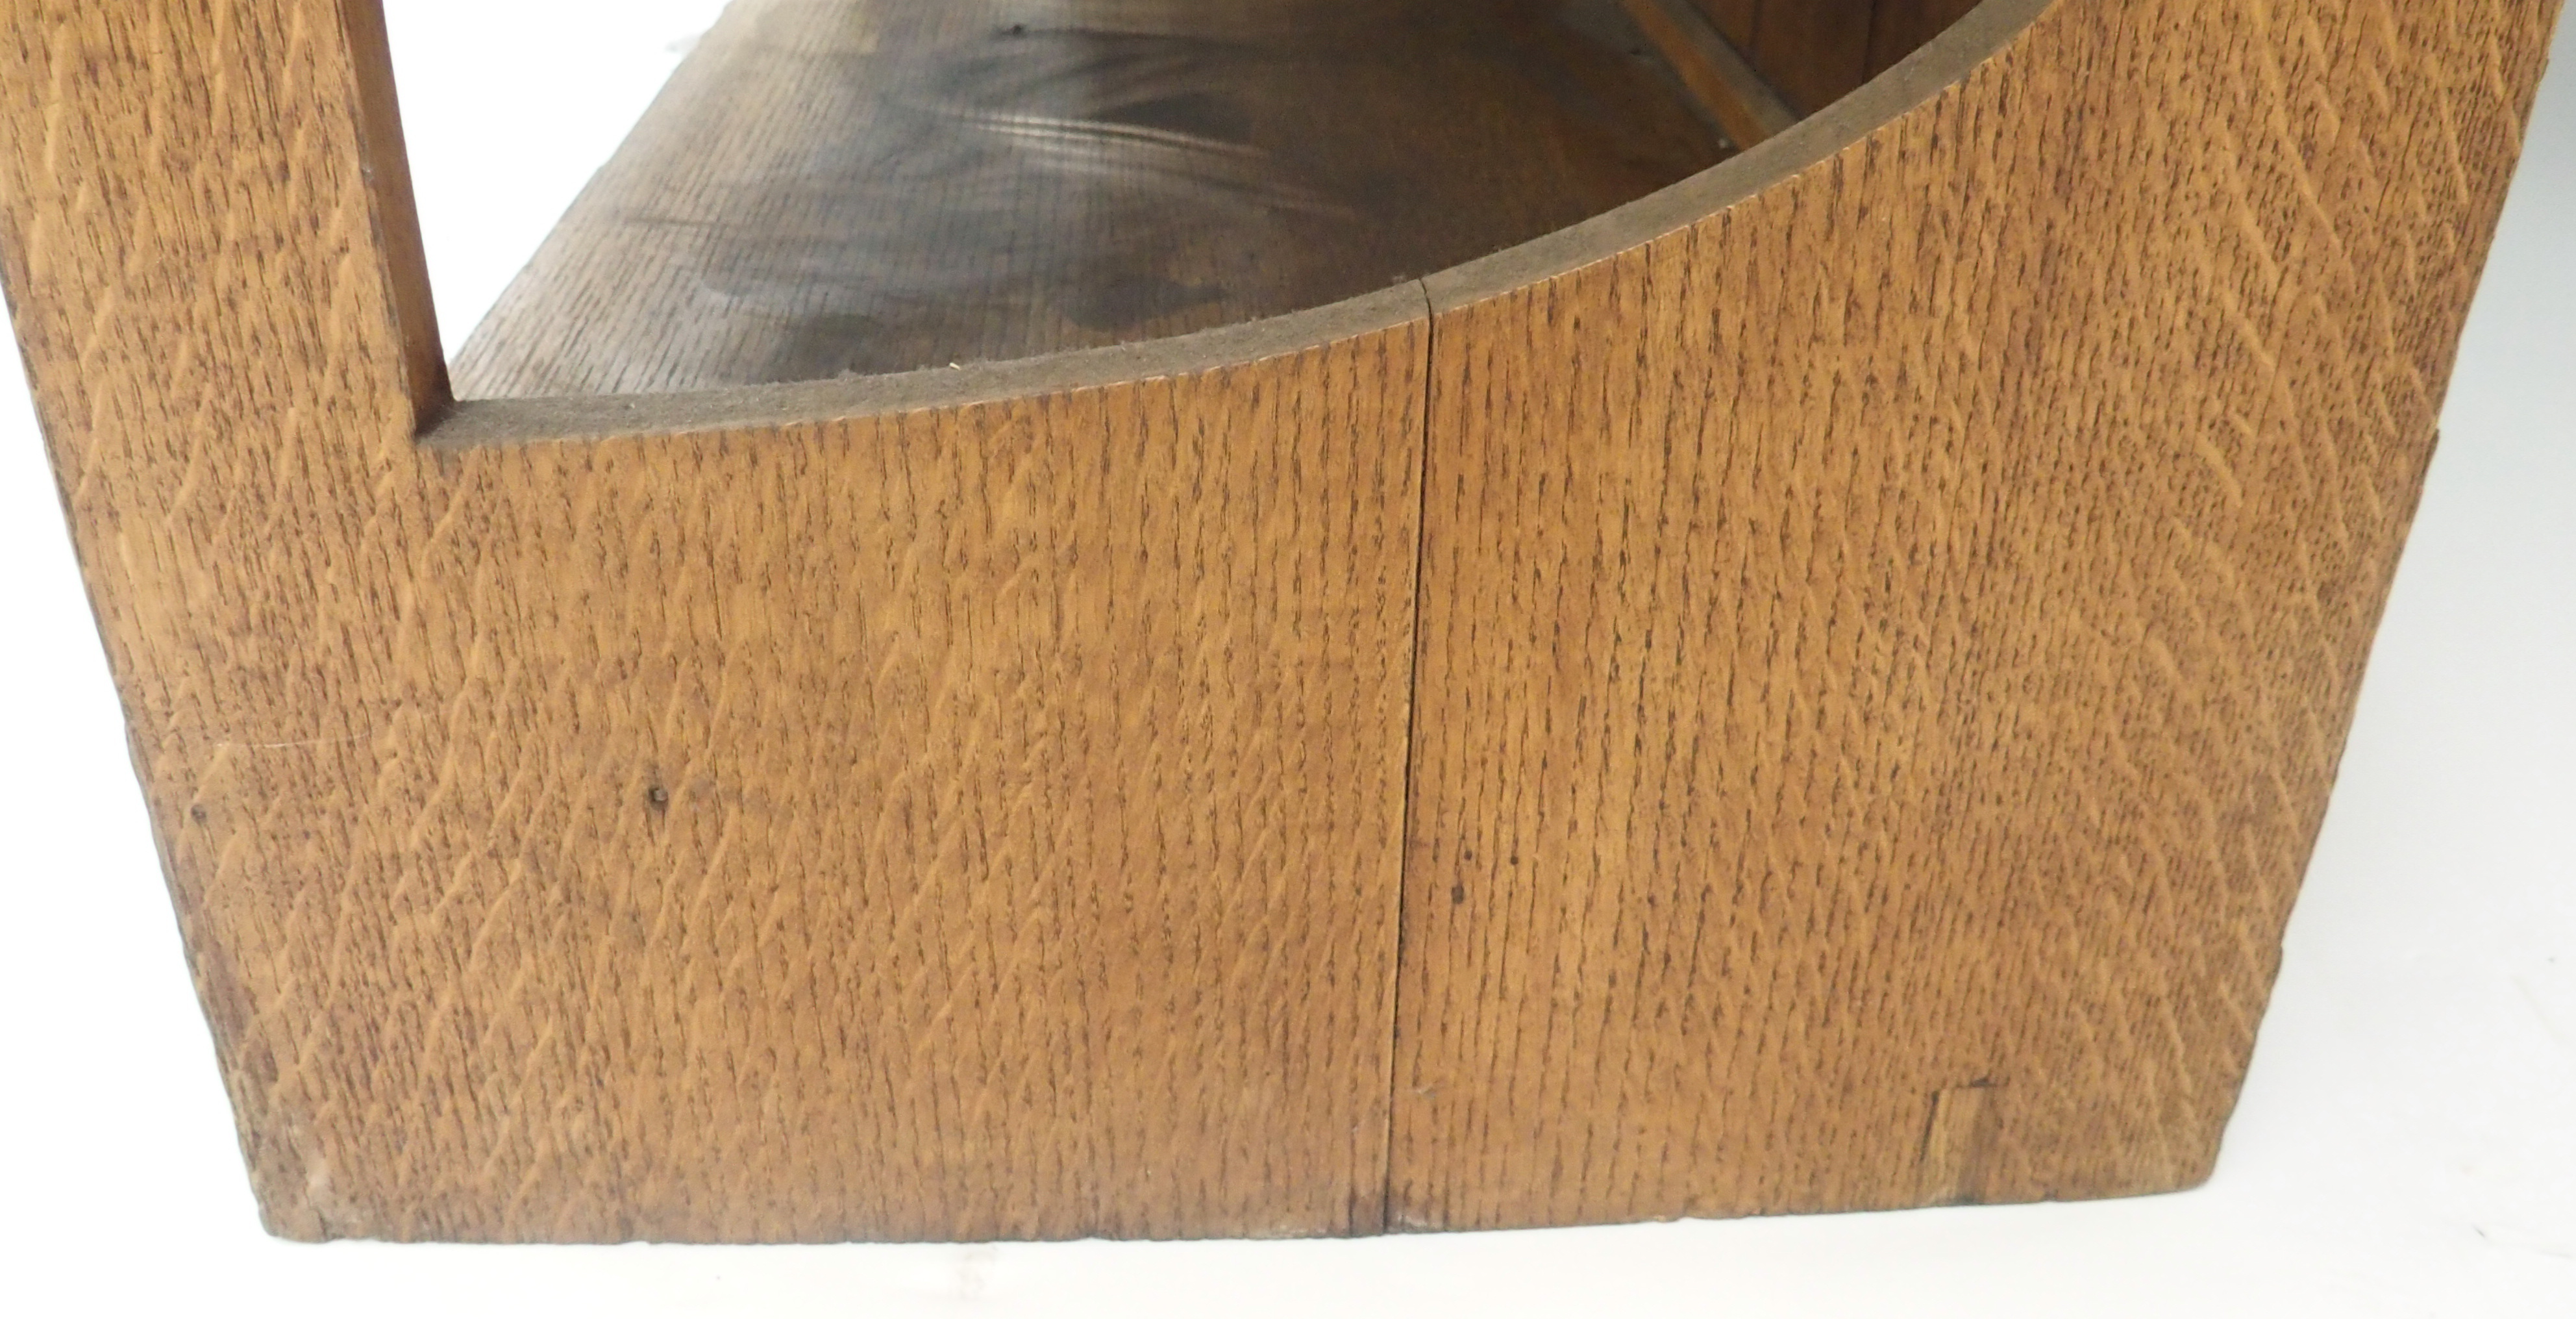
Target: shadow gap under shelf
<point x="841" y="188"/>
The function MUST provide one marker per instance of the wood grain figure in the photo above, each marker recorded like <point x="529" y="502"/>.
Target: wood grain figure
<point x="1950" y="700"/>
<point x="1793" y="679"/>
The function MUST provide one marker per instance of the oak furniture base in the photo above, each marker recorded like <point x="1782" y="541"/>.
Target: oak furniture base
<point x="1532" y="614"/>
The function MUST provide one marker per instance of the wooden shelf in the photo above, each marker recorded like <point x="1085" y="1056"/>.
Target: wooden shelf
<point x="837" y="187"/>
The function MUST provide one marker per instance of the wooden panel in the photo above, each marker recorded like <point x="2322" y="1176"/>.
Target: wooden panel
<point x="834" y="187"/>
<point x="1814" y="51"/>
<point x="973" y="821"/>
<point x="1888" y="620"/>
<point x="1887" y="643"/>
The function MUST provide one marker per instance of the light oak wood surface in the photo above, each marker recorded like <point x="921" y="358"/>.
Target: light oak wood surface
<point x="1812" y="689"/>
<point x="966" y="823"/>
<point x="1936" y="717"/>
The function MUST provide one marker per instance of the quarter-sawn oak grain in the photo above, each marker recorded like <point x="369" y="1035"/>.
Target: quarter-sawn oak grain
<point x="1812" y="690"/>
<point x="962" y="824"/>
<point x="1886" y="645"/>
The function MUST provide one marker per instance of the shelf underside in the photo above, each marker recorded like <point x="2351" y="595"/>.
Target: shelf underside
<point x="854" y="187"/>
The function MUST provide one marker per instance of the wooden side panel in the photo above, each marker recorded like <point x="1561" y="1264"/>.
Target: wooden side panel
<point x="974" y="823"/>
<point x="218" y="351"/>
<point x="954" y="826"/>
<point x="1887" y="646"/>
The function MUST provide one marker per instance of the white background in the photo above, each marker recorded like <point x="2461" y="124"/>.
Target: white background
<point x="2406" y="1145"/>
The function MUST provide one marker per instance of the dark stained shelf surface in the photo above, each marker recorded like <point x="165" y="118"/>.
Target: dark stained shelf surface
<point x="848" y="187"/>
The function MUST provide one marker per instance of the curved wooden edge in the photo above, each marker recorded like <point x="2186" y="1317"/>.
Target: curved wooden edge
<point x="1969" y="44"/>
<point x="1884" y="648"/>
<point x="490" y="423"/>
<point x="1986" y="33"/>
